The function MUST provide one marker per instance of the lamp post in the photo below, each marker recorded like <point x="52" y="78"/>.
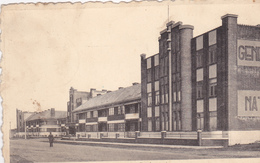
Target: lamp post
<point x="25" y="128"/>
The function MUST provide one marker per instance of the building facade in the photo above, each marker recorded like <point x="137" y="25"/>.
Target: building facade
<point x="42" y="123"/>
<point x="21" y="118"/>
<point x="77" y="98"/>
<point x="226" y="78"/>
<point x="166" y="82"/>
<point x="116" y="111"/>
<point x="210" y="82"/>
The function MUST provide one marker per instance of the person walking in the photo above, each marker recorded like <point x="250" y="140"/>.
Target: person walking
<point x="51" y="139"/>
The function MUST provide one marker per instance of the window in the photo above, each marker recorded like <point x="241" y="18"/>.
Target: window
<point x="212" y="37"/>
<point x="156" y="60"/>
<point x="157" y="111"/>
<point x="166" y="98"/>
<point x="121" y="110"/>
<point x="149" y="87"/>
<point x="199" y="42"/>
<point x="199" y="73"/>
<point x="156" y="73"/>
<point x="156" y="86"/>
<point x="81" y="116"/>
<point x="121" y="127"/>
<point x="149" y="112"/>
<point x="179" y="95"/>
<point x="162" y="101"/>
<point x="212" y="56"/>
<point x="88" y="114"/>
<point x="111" y="127"/>
<point x="157" y="124"/>
<point x="149" y="75"/>
<point x="199" y="92"/>
<point x="212" y="89"/>
<point x="149" y="99"/>
<point x="91" y="114"/>
<point x="111" y="111"/>
<point x="95" y="114"/>
<point x="149" y="63"/>
<point x="157" y="98"/>
<point x="88" y="128"/>
<point x="199" y="58"/>
<point x="150" y="125"/>
<point x="213" y="71"/>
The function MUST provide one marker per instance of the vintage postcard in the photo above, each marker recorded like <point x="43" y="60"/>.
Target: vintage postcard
<point x="141" y="81"/>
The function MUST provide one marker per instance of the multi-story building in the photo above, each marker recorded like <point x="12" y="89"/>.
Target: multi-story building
<point x="209" y="82"/>
<point x="116" y="111"/>
<point x="40" y="124"/>
<point x="226" y="79"/>
<point x="166" y="82"/>
<point x="21" y="118"/>
<point x="77" y="98"/>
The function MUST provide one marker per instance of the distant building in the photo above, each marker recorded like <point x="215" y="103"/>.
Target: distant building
<point x="77" y="98"/>
<point x="41" y="123"/>
<point x="116" y="111"/>
<point x="20" y="119"/>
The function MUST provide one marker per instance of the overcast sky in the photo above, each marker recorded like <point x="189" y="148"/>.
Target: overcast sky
<point x="47" y="49"/>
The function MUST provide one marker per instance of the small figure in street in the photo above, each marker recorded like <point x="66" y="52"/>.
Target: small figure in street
<point x="51" y="139"/>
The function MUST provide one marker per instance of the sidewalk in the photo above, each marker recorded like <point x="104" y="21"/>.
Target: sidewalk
<point x="134" y="144"/>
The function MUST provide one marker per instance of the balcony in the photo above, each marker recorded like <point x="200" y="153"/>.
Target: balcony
<point x="82" y="120"/>
<point x="132" y="116"/>
<point x="102" y="119"/>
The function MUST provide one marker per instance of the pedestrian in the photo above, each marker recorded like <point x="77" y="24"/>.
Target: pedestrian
<point x="51" y="139"/>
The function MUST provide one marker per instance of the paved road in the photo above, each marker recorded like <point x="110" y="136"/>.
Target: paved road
<point x="39" y="150"/>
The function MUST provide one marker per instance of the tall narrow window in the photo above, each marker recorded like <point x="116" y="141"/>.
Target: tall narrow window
<point x="212" y="89"/>
<point x="149" y="112"/>
<point x="157" y="98"/>
<point x="199" y="91"/>
<point x="149" y="63"/>
<point x="149" y="99"/>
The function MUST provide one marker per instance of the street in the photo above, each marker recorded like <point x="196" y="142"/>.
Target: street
<point x="32" y="150"/>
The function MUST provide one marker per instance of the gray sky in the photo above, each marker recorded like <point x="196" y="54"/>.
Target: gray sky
<point x="47" y="49"/>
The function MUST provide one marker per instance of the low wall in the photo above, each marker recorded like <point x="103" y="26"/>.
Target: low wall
<point x="243" y="137"/>
<point x="38" y="134"/>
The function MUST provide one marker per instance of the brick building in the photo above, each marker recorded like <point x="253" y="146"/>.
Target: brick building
<point x="166" y="82"/>
<point x="209" y="82"/>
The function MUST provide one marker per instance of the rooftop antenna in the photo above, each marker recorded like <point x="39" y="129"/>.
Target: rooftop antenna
<point x="168" y="13"/>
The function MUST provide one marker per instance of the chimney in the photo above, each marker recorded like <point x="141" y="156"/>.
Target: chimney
<point x="120" y="87"/>
<point x="92" y="89"/>
<point x="52" y="112"/>
<point x="104" y="90"/>
<point x="143" y="56"/>
<point x="135" y="83"/>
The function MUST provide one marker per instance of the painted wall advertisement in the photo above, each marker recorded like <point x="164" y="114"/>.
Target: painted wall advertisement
<point x="248" y="53"/>
<point x="248" y="103"/>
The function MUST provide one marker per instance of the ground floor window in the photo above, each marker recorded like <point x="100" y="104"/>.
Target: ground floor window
<point x="121" y="127"/>
<point x="157" y="124"/>
<point x="111" y="127"/>
<point x="213" y="121"/>
<point x="82" y="127"/>
<point x="150" y="125"/>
